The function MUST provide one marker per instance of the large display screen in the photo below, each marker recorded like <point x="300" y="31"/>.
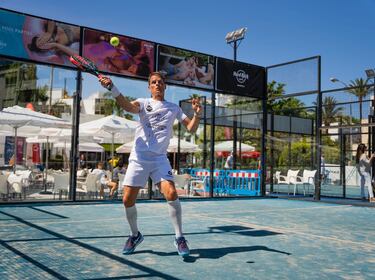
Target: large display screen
<point x="131" y="57"/>
<point x="240" y="78"/>
<point x="184" y="67"/>
<point x="37" y="39"/>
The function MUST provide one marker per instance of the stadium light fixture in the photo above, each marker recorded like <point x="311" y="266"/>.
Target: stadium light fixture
<point x="370" y="73"/>
<point x="234" y="37"/>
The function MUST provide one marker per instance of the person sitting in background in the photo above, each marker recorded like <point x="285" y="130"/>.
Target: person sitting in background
<point x="12" y="161"/>
<point x="82" y="162"/>
<point x="104" y="180"/>
<point x="120" y="169"/>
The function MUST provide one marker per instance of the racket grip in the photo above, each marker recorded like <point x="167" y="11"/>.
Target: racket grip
<point x="109" y="86"/>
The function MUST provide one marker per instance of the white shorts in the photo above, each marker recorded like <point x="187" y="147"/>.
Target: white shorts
<point x="139" y="170"/>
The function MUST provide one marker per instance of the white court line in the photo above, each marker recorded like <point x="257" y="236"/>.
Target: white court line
<point x="82" y="221"/>
<point x="291" y="231"/>
<point x="163" y="216"/>
<point x="285" y="210"/>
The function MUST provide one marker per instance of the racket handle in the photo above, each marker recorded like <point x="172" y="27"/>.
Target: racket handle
<point x="109" y="86"/>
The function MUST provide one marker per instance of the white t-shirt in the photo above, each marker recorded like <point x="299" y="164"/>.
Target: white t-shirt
<point x="364" y="165"/>
<point x="155" y="129"/>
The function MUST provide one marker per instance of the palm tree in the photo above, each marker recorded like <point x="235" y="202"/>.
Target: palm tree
<point x="112" y="107"/>
<point x="330" y="111"/>
<point x="359" y="88"/>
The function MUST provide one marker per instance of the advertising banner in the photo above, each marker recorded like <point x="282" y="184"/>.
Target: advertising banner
<point x="35" y="153"/>
<point x="37" y="39"/>
<point x="131" y="57"/>
<point x="184" y="67"/>
<point x="8" y="148"/>
<point x="21" y="141"/>
<point x="240" y="78"/>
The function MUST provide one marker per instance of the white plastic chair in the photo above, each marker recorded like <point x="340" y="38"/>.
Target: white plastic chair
<point x="198" y="185"/>
<point x="182" y="182"/>
<point x="15" y="184"/>
<point x="61" y="184"/>
<point x="292" y="177"/>
<point x="4" y="192"/>
<point x="120" y="189"/>
<point x="91" y="185"/>
<point x="289" y="179"/>
<point x="307" y="179"/>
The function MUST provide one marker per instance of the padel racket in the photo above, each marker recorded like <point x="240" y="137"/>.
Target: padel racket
<point x="88" y="66"/>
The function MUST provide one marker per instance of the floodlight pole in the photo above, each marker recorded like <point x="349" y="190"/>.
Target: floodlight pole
<point x="235" y="37"/>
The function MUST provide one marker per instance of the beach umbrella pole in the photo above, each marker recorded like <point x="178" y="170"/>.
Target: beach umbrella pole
<point x="15" y="151"/>
<point x="45" y="175"/>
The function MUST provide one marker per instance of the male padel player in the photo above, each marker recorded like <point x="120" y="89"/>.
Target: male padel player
<point x="148" y="157"/>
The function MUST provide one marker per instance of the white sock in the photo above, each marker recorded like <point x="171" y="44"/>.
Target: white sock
<point x="131" y="216"/>
<point x="175" y="214"/>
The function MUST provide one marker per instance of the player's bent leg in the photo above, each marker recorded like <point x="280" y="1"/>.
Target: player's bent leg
<point x="130" y="196"/>
<point x="168" y="189"/>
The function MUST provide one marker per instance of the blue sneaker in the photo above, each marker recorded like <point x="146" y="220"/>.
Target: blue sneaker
<point x="132" y="243"/>
<point x="182" y="247"/>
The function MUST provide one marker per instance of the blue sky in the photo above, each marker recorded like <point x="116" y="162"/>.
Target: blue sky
<point x="342" y="32"/>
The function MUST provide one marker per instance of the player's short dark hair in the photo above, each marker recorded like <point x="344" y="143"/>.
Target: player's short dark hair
<point x="161" y="75"/>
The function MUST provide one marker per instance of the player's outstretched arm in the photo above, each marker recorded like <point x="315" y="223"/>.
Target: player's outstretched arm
<point x="192" y="125"/>
<point x="131" y="107"/>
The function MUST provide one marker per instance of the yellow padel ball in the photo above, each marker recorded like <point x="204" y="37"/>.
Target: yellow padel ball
<point x="115" y="41"/>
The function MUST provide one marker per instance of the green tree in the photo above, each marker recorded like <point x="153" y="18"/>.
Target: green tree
<point x="300" y="154"/>
<point x="284" y="106"/>
<point x="112" y="107"/>
<point x="330" y="111"/>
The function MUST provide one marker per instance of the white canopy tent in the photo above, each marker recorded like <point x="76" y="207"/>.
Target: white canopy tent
<point x="109" y="126"/>
<point x="227" y="146"/>
<point x="17" y="117"/>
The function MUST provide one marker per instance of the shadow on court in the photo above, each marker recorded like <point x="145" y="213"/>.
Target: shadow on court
<point x="213" y="253"/>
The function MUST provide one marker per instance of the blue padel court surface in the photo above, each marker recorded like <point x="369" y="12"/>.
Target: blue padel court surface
<point x="229" y="239"/>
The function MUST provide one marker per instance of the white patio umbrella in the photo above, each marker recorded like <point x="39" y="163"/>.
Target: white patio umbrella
<point x="82" y="147"/>
<point x="61" y="136"/>
<point x="185" y="147"/>
<point x="108" y="126"/>
<point x="125" y="148"/>
<point x="17" y="117"/>
<point x="227" y="146"/>
<point x="24" y="131"/>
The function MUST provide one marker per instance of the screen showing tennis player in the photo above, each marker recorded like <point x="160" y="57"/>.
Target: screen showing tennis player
<point x="185" y="67"/>
<point x="119" y="54"/>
